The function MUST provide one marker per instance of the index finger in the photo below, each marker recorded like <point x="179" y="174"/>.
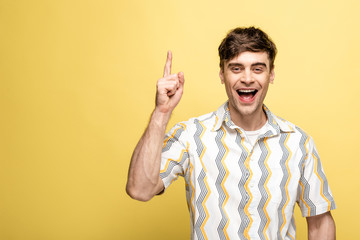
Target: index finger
<point x="167" y="68"/>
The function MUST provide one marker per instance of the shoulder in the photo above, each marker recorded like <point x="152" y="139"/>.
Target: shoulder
<point x="295" y="131"/>
<point x="285" y="124"/>
<point x="183" y="132"/>
<point x="207" y="120"/>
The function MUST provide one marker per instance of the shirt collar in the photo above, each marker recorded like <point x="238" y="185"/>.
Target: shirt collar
<point x="277" y="124"/>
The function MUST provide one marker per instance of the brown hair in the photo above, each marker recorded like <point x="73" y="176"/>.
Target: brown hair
<point x="241" y="40"/>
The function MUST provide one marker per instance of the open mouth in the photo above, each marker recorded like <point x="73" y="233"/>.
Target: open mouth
<point x="246" y="95"/>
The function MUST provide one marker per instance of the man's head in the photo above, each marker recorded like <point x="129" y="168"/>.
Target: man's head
<point x="246" y="69"/>
<point x="249" y="39"/>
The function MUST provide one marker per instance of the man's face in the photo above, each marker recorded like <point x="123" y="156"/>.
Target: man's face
<point x="246" y="78"/>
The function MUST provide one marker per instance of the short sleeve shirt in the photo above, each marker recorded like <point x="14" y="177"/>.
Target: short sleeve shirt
<point x="236" y="190"/>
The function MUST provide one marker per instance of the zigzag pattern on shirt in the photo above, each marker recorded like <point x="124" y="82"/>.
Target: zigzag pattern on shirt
<point x="220" y="180"/>
<point x="204" y="189"/>
<point x="172" y="163"/>
<point x="173" y="138"/>
<point x="324" y="183"/>
<point x="284" y="163"/>
<point x="265" y="194"/>
<point x="304" y="184"/>
<point x="241" y="185"/>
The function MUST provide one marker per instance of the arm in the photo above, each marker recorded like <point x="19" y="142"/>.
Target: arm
<point x="321" y="227"/>
<point x="144" y="180"/>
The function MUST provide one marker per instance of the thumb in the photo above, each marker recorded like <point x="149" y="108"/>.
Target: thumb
<point x="181" y="78"/>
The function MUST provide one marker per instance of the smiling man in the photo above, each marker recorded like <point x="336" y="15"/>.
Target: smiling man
<point x="246" y="78"/>
<point x="245" y="168"/>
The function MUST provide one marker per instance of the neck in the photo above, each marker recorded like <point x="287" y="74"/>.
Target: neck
<point x="249" y="122"/>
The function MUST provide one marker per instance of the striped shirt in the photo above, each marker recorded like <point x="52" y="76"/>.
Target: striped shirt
<point x="236" y="190"/>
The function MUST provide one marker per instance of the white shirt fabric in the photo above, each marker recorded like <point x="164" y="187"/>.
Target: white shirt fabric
<point x="236" y="190"/>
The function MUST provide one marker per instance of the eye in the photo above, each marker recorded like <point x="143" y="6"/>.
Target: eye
<point x="258" y="70"/>
<point x="235" y="69"/>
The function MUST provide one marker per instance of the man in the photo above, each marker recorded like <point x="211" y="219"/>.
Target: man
<point x="244" y="167"/>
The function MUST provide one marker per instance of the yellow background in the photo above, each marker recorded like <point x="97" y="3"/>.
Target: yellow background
<point x="77" y="85"/>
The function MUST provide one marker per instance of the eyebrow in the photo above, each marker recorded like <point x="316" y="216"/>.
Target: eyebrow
<point x="252" y="65"/>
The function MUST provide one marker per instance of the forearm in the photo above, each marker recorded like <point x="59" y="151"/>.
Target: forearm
<point x="143" y="179"/>
<point x="321" y="227"/>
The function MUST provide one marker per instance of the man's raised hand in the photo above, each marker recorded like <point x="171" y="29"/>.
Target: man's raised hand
<point x="169" y="88"/>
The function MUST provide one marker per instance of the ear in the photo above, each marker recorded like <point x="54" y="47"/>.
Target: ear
<point x="221" y="75"/>
<point x="272" y="75"/>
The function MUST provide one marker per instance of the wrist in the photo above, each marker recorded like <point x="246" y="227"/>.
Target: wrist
<point x="160" y="118"/>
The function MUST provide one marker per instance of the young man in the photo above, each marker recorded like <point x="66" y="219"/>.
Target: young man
<point x="244" y="167"/>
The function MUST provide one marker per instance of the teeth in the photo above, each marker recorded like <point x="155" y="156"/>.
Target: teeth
<point x="246" y="91"/>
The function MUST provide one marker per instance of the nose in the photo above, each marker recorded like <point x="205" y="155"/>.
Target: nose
<point x="247" y="77"/>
